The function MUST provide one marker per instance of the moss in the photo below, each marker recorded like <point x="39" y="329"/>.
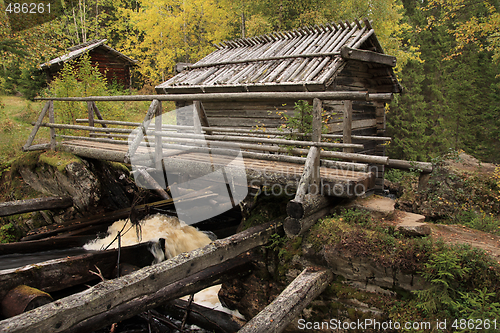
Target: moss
<point x="58" y="160"/>
<point x="118" y="166"/>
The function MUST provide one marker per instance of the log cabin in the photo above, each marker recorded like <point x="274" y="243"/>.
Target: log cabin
<point x="341" y="56"/>
<point x="114" y="65"/>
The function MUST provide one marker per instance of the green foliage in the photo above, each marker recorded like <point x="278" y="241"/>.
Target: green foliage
<point x="8" y="233"/>
<point x="446" y="104"/>
<point x="443" y="271"/>
<point x="301" y="121"/>
<point x="479" y="304"/>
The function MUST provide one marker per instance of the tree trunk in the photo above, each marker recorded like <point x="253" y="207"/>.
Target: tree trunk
<point x="288" y="305"/>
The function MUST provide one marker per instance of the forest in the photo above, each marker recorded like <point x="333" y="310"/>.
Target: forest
<point x="448" y="54"/>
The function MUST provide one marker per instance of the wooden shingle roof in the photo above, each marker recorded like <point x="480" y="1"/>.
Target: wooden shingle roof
<point x="78" y="50"/>
<point x="305" y="59"/>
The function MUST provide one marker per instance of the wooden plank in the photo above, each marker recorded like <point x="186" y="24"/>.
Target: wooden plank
<point x="289" y="304"/>
<point x="332" y="95"/>
<point x="52" y="130"/>
<point x="189" y="285"/>
<point x="58" y="274"/>
<point x="65" y="313"/>
<point x="347" y="125"/>
<point x="357" y="124"/>
<point x="36" y="126"/>
<point x="32" y="205"/>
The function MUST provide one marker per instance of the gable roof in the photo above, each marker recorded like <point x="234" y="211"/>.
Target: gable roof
<point x="78" y="50"/>
<point x="298" y="60"/>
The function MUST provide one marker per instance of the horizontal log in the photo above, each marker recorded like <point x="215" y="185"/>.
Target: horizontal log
<point x="47" y="244"/>
<point x="184" y="137"/>
<point x="332" y="95"/>
<point x="88" y="128"/>
<point x="41" y="146"/>
<point x="95" y="153"/>
<point x="33" y="205"/>
<point x="288" y="305"/>
<point x="298" y="226"/>
<point x="239" y="130"/>
<point x="60" y="316"/>
<point x="309" y="204"/>
<point x="368" y="56"/>
<point x="201" y="316"/>
<point x="59" y="274"/>
<point x="189" y="285"/>
<point x="98" y="219"/>
<point x="410" y="165"/>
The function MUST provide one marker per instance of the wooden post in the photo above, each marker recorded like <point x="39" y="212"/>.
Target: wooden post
<point x="99" y="116"/>
<point x="90" y="110"/>
<point x="288" y="305"/>
<point x="36" y="126"/>
<point x="142" y="133"/>
<point x="196" y="117"/>
<point x="158" y="143"/>
<point x="202" y="115"/>
<point x="316" y="137"/>
<point x="347" y="124"/>
<point x="52" y="130"/>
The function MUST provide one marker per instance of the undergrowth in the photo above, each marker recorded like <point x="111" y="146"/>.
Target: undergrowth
<point x="462" y="281"/>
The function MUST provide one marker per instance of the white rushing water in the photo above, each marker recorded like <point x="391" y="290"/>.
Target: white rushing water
<point x="179" y="237"/>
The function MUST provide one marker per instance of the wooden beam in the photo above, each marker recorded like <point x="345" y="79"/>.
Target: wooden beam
<point x="424" y="167"/>
<point x="189" y="285"/>
<point x="347" y="125"/>
<point x="36" y="126"/>
<point x="201" y="316"/>
<point x="368" y="56"/>
<point x="32" y="205"/>
<point x="288" y="305"/>
<point x="325" y="95"/>
<point x="317" y="210"/>
<point x="153" y="183"/>
<point x="317" y="125"/>
<point x="52" y="130"/>
<point x="62" y="315"/>
<point x="58" y="274"/>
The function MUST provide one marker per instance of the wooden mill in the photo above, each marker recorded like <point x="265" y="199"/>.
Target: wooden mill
<point x="233" y="102"/>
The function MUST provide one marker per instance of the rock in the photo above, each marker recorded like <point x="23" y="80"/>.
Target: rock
<point x="412" y="225"/>
<point x="90" y="183"/>
<point x="381" y="207"/>
<point x="77" y="182"/>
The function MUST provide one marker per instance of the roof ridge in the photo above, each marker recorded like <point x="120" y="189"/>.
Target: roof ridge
<point x="288" y="34"/>
<point x="83" y="45"/>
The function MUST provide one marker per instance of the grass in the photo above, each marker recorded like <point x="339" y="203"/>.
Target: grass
<point x="16" y="115"/>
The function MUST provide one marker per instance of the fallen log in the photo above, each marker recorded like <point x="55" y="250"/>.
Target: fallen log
<point x="288" y="305"/>
<point x="96" y="219"/>
<point x="58" y="274"/>
<point x="189" y="285"/>
<point x="201" y="316"/>
<point x="32" y="205"/>
<point x="47" y="244"/>
<point x="61" y="315"/>
<point x="295" y="227"/>
<point x="309" y="204"/>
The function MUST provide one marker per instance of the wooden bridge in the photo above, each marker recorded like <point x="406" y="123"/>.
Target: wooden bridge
<point x="268" y="158"/>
